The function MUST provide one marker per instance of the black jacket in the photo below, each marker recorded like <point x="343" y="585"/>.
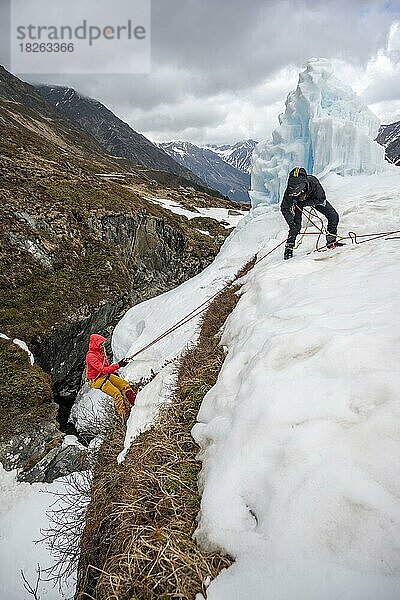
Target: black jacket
<point x="314" y="194"/>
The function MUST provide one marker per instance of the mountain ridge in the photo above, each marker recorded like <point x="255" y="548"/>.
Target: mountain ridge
<point x="389" y="138"/>
<point x="238" y="154"/>
<point x="211" y="168"/>
<point x="114" y="135"/>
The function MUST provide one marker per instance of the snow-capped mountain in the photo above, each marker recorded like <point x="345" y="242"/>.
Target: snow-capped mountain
<point x="325" y="128"/>
<point x="389" y="137"/>
<point x="211" y="168"/>
<point x="238" y="155"/>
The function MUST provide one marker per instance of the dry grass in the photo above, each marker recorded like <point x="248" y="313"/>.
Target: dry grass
<point x="137" y="543"/>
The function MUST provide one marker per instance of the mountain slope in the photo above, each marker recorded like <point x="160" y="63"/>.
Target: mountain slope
<point x="24" y="109"/>
<point x="238" y="155"/>
<point x="112" y="134"/>
<point x="389" y="137"/>
<point x="83" y="235"/>
<point x="211" y="168"/>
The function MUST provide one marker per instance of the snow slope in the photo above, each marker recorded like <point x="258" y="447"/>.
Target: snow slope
<point x="300" y="436"/>
<point x="22" y="516"/>
<point x="222" y="215"/>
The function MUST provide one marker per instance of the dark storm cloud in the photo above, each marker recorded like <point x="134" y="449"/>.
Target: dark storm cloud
<point x="197" y="116"/>
<point x="231" y="44"/>
<point x="209" y="54"/>
<point x="243" y="43"/>
<point x="203" y="47"/>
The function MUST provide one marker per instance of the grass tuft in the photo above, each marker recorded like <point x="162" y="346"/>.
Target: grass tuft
<point x="137" y="544"/>
<point x="26" y="397"/>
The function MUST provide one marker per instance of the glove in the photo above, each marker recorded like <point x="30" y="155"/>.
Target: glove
<point x="123" y="362"/>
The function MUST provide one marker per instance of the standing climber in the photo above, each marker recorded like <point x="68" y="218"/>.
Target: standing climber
<point x="306" y="190"/>
<point x="101" y="375"/>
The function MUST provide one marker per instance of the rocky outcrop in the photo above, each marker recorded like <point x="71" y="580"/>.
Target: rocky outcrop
<point x="40" y="456"/>
<point x="61" y="353"/>
<point x="58" y="462"/>
<point x="15" y="453"/>
<point x="69" y="460"/>
<point x="389" y="137"/>
<point x="156" y="255"/>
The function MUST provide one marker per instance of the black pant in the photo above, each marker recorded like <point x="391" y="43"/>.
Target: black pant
<point x="328" y="211"/>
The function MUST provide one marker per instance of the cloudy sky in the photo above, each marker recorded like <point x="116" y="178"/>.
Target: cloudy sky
<point x="221" y="69"/>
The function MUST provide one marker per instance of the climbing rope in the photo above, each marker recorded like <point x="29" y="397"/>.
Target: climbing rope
<point x="199" y="309"/>
<point x="308" y="222"/>
<point x="376" y="236"/>
<point x="354" y="237"/>
<point x="351" y="234"/>
<point x="321" y="230"/>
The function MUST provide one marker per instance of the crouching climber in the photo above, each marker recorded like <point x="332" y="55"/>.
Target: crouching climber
<point x="101" y="376"/>
<point x="306" y="190"/>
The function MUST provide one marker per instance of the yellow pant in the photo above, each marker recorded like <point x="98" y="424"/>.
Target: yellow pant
<point x="113" y="386"/>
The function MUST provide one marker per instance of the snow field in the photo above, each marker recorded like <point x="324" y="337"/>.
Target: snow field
<point x="219" y="214"/>
<point x="22" y="516"/>
<point x="300" y="435"/>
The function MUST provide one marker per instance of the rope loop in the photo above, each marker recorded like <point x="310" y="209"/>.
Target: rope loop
<point x="353" y="237"/>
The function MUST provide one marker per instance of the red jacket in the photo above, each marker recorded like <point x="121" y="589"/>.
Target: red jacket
<point x="96" y="360"/>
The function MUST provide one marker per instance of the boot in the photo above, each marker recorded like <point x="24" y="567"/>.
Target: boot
<point x="288" y="252"/>
<point x="131" y="397"/>
<point x="331" y="241"/>
<point x="334" y="245"/>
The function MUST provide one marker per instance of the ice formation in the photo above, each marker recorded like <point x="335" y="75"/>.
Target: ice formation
<point x="325" y="128"/>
